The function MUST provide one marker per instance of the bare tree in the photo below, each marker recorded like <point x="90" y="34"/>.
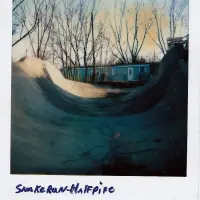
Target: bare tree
<point x="174" y="11"/>
<point x="73" y="34"/>
<point x="17" y="4"/>
<point x="15" y="12"/>
<point x="158" y="14"/>
<point x="85" y="42"/>
<point x="25" y="19"/>
<point x="71" y="28"/>
<point x="127" y="49"/>
<point x="89" y="14"/>
<point x="40" y="38"/>
<point x="74" y="17"/>
<point x="65" y="38"/>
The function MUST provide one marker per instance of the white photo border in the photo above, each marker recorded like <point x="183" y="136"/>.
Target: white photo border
<point x="138" y="188"/>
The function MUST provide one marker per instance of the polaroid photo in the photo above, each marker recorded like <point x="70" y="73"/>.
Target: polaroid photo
<point x="104" y="99"/>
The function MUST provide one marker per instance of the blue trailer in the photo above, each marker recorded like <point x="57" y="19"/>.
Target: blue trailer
<point x="137" y="72"/>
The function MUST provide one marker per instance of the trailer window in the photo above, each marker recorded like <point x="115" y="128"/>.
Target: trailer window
<point x="141" y="69"/>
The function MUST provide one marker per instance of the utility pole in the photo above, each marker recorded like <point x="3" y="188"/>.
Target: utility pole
<point x="93" y="49"/>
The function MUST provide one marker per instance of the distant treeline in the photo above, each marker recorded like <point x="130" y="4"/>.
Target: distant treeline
<point x="139" y="60"/>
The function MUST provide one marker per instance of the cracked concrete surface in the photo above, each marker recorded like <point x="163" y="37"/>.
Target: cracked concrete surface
<point x="63" y="127"/>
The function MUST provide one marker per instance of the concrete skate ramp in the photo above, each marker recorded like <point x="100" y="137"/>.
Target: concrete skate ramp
<point x="63" y="127"/>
